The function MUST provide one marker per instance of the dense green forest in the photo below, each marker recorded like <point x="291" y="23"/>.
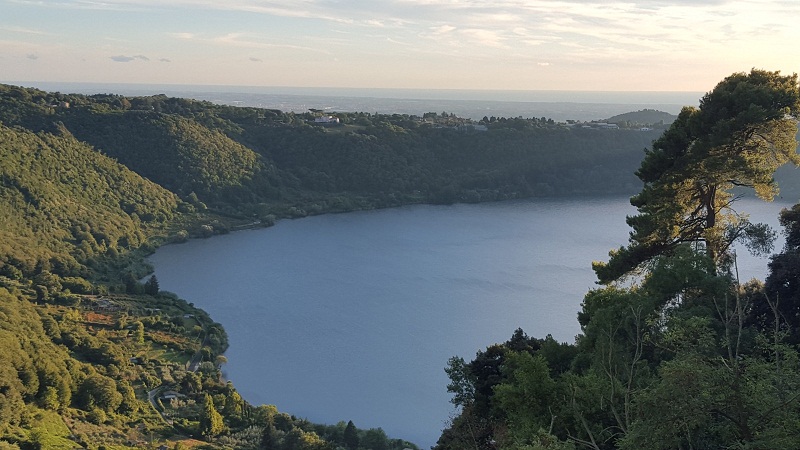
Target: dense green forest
<point x="675" y="352"/>
<point x="95" y="355"/>
<point x="250" y="160"/>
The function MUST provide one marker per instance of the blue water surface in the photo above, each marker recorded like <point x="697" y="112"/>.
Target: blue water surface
<point x="354" y="316"/>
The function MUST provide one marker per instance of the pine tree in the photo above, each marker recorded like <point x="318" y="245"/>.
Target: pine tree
<point x="269" y="441"/>
<point x="742" y="132"/>
<point x="151" y="286"/>
<point x="351" y="436"/>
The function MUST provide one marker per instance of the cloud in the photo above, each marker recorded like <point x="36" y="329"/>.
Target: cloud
<point x="374" y="23"/>
<point x="255" y="59"/>
<point x="166" y="60"/>
<point x="32" y="56"/>
<point x="449" y="35"/>
<point x="183" y="36"/>
<point x="244" y="40"/>
<point x="23" y="30"/>
<point x="303" y="10"/>
<point x="123" y="58"/>
<point x="395" y="41"/>
<point x="489" y="38"/>
<point x="81" y="5"/>
<point x="443" y="29"/>
<point x="568" y="34"/>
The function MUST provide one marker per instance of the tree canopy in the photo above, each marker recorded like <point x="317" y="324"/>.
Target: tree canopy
<point x="686" y="357"/>
<point x="742" y="131"/>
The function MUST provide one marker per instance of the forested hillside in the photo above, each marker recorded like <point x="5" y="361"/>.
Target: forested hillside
<point x="243" y="158"/>
<point x="63" y="203"/>
<point x="643" y="118"/>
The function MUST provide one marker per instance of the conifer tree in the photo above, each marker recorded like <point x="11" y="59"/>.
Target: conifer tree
<point x="351" y="436"/>
<point x="151" y="286"/>
<point x="742" y="132"/>
<point x="211" y="423"/>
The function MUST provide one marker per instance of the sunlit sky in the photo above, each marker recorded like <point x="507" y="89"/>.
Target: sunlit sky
<point x="646" y="45"/>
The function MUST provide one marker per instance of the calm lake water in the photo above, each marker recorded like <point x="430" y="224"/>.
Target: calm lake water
<point x="353" y="316"/>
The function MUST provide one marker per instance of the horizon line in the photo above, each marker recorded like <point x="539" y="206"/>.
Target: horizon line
<point x="355" y="88"/>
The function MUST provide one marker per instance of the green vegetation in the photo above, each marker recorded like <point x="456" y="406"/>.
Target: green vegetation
<point x="249" y="162"/>
<point x="739" y="136"/>
<point x="685" y="357"/>
<point x="643" y="118"/>
<point x="679" y="354"/>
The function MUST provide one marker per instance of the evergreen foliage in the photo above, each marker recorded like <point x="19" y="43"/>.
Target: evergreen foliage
<point x="151" y="286"/>
<point x="687" y="357"/>
<point x="210" y="420"/>
<point x="742" y="132"/>
<point x="351" y="436"/>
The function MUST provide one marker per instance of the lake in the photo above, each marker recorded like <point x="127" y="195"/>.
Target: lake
<point x="354" y="316"/>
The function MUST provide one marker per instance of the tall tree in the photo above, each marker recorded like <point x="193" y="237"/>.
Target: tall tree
<point x="351" y="436"/>
<point x="742" y="131"/>
<point x="211" y="423"/>
<point x="151" y="286"/>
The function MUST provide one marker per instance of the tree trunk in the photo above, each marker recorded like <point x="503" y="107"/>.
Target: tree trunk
<point x="708" y="197"/>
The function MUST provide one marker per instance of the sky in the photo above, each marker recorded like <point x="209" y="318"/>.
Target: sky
<point x="583" y="45"/>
